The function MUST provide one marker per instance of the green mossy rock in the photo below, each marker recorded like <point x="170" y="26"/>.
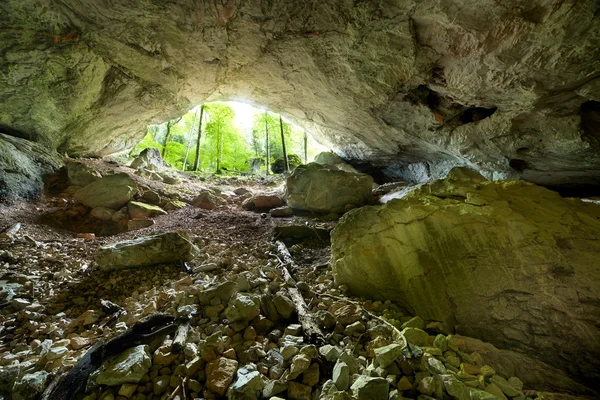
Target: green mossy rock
<point x="492" y="259"/>
<point x="138" y="209"/>
<point x="323" y="188"/>
<point x="113" y="191"/>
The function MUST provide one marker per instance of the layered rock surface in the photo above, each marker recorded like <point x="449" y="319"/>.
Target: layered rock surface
<point x="508" y="262"/>
<point x="411" y="86"/>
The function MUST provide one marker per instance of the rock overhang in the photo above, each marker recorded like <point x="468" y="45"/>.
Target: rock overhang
<point x="407" y="88"/>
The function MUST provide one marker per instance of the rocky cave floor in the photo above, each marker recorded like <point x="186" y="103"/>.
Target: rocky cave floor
<point x="57" y="303"/>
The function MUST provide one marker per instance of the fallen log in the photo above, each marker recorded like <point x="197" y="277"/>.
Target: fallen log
<point x="309" y="326"/>
<point x="67" y="386"/>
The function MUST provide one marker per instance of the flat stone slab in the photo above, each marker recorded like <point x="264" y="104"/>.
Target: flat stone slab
<point x="165" y="248"/>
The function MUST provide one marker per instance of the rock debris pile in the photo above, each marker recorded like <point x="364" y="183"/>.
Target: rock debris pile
<point x="244" y="340"/>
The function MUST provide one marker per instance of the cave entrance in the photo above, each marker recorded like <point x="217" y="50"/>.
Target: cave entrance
<point x="230" y="138"/>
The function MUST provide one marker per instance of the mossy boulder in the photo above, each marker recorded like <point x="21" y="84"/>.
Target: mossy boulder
<point x="81" y="174"/>
<point x="112" y="191"/>
<point x="491" y="259"/>
<point x="323" y="188"/>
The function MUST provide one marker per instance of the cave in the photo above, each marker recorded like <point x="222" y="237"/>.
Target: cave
<point x="411" y="209"/>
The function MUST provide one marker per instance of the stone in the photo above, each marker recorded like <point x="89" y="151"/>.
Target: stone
<point x="148" y="174"/>
<point x="164" y="248"/>
<point x="160" y="384"/>
<point x="404" y="384"/>
<point x="515" y="382"/>
<point x="173" y="205"/>
<point x="150" y="159"/>
<point x="127" y="367"/>
<point x="504" y="386"/>
<point x="416" y="336"/>
<point x="282" y="212"/>
<point x="152" y="197"/>
<point x="331" y="353"/>
<point x="348" y="314"/>
<point x="206" y="200"/>
<point x="325" y="189"/>
<point x="496" y="391"/>
<point x="445" y="287"/>
<point x="135" y="224"/>
<point x="297" y="391"/>
<point x="456" y="388"/>
<point x="56" y="352"/>
<point x="415" y="322"/>
<point x="341" y="375"/>
<point x="111" y="191"/>
<point x="263" y="202"/>
<point x="30" y="386"/>
<point x="332" y="159"/>
<point x="219" y="374"/>
<point x="248" y="384"/>
<point x="274" y="387"/>
<point x="127" y="389"/>
<point x="370" y="388"/>
<point x="388" y="354"/>
<point x="299" y="364"/>
<point x="426" y="386"/>
<point x="325" y="319"/>
<point x="80" y="174"/>
<point x="436" y="366"/>
<point x="311" y="376"/>
<point x="532" y="372"/>
<point x="243" y="307"/>
<point x="78" y="342"/>
<point x="102" y="213"/>
<point x="138" y="209"/>
<point x="8" y="376"/>
<point x="285" y="306"/>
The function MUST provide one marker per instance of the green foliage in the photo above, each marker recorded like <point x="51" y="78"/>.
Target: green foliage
<point x="223" y="145"/>
<point x="278" y="166"/>
<point x="147" y="142"/>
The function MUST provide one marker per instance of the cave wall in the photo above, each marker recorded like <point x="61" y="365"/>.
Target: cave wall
<point x="403" y="85"/>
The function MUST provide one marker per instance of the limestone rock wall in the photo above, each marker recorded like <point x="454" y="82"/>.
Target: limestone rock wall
<point x="507" y="262"/>
<point x="403" y="85"/>
<point x="22" y="167"/>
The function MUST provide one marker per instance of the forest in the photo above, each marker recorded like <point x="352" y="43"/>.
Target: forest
<point x="230" y="137"/>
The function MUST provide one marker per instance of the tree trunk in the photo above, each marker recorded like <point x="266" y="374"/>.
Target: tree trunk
<point x="286" y="165"/>
<point x="219" y="147"/>
<point x="164" y="149"/>
<point x="305" y="148"/>
<point x="189" y="144"/>
<point x="268" y="148"/>
<point x="169" y="125"/>
<point x="197" y="160"/>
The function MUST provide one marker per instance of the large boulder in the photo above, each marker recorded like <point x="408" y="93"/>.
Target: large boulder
<point x="508" y="262"/>
<point x="164" y="248"/>
<point x="149" y="159"/>
<point x="81" y="174"/>
<point x="322" y="188"/>
<point x="112" y="191"/>
<point x="332" y="159"/>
